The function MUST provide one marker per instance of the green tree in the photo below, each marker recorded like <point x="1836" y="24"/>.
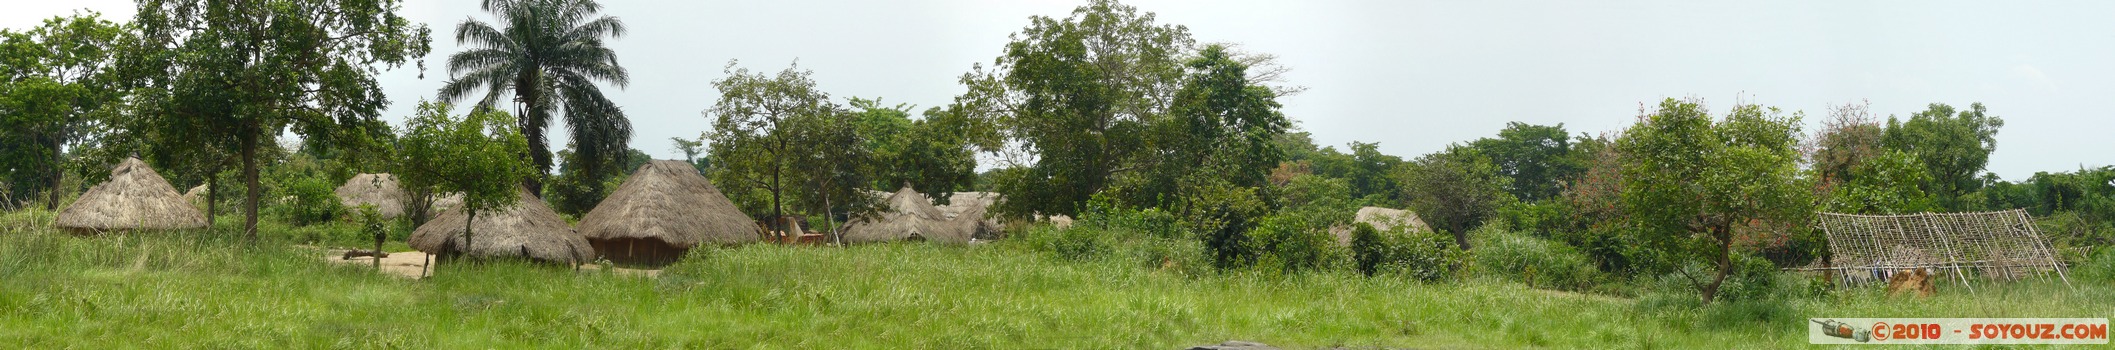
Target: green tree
<point x="241" y="73"/>
<point x="1881" y="184"/>
<point x="1221" y="124"/>
<point x="934" y="154"/>
<point x="1953" y="145"/>
<point x="1536" y="157"/>
<point x="478" y="156"/>
<point x="550" y="54"/>
<point x="53" y="79"/>
<point x="1366" y="167"/>
<point x="834" y="169"/>
<point x="756" y="140"/>
<point x="1076" y="96"/>
<point x="691" y="149"/>
<point x="576" y="189"/>
<point x="1692" y="185"/>
<point x="1454" y="190"/>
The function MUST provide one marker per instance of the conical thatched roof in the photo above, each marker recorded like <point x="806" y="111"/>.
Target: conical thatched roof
<point x="529" y="229"/>
<point x="908" y="215"/>
<point x="909" y="201"/>
<point x="1382" y="219"/>
<point x="669" y="201"/>
<point x="135" y="197"/>
<point x="379" y="190"/>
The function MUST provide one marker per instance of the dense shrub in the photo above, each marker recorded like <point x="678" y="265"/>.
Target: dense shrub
<point x="1424" y="256"/>
<point x="307" y="201"/>
<point x="1537" y="262"/>
<point x="1292" y="243"/>
<point x="1103" y="213"/>
<point x="2071" y="232"/>
<point x="1076" y="243"/>
<point x="1224" y="216"/>
<point x="2099" y="267"/>
<point x="1753" y="279"/>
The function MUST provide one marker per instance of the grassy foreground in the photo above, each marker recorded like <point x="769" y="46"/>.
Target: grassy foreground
<point x="204" y="289"/>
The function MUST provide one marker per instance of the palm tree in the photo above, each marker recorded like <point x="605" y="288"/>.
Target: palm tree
<point x="550" y="55"/>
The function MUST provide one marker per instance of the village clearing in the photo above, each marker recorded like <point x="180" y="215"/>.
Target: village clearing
<point x="198" y="288"/>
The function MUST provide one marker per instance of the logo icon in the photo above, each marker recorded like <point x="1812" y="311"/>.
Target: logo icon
<point x="1844" y="330"/>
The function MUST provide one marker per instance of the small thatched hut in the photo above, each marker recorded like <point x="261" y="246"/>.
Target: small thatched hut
<point x="1381" y="219"/>
<point x="379" y="190"/>
<point x="969" y="210"/>
<point x="529" y="229"/>
<point x="909" y="216"/>
<point x="135" y="198"/>
<point x="196" y="196"/>
<point x="663" y="210"/>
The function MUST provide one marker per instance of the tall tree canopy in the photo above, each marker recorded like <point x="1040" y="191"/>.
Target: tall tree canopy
<point x="935" y="154"/>
<point x="1222" y="125"/>
<point x="1537" y="159"/>
<point x="1692" y="185"/>
<point x="52" y="78"/>
<point x="777" y="141"/>
<point x="1953" y="145"/>
<point x="1076" y="95"/>
<point x="241" y="73"/>
<point x="1455" y="190"/>
<point x="550" y="55"/>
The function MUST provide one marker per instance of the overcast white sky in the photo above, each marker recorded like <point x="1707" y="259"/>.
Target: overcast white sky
<point x="1412" y="75"/>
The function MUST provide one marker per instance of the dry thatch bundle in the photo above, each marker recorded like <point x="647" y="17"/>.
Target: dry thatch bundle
<point x="1382" y="219"/>
<point x="529" y="229"/>
<point x="909" y="216"/>
<point x="662" y="211"/>
<point x="379" y="190"/>
<point x="135" y="198"/>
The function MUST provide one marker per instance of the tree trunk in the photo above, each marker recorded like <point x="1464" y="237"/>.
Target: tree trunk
<point x="1462" y="238"/>
<point x="829" y="218"/>
<point x="778" y="211"/>
<point x="420" y="208"/>
<point x="531" y="121"/>
<point x="249" y="179"/>
<point x="1725" y="268"/>
<point x="58" y="174"/>
<point x="467" y="221"/>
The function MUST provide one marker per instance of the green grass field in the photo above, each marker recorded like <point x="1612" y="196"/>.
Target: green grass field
<point x="205" y="289"/>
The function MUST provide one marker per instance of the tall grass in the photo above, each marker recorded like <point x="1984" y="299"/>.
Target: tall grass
<point x="208" y="289"/>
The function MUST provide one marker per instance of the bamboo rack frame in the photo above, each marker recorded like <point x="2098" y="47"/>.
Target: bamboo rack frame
<point x="1998" y="245"/>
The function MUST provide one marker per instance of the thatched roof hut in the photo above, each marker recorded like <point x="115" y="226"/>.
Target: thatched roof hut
<point x="969" y="210"/>
<point x="663" y="210"/>
<point x="529" y="229"/>
<point x="1381" y="219"/>
<point x="135" y="198"/>
<point x="911" y="202"/>
<point x="379" y="190"/>
<point x="196" y="196"/>
<point x="908" y="216"/>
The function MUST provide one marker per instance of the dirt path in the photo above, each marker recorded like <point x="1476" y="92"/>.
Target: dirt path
<point x="402" y="264"/>
<point x="412" y="264"/>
